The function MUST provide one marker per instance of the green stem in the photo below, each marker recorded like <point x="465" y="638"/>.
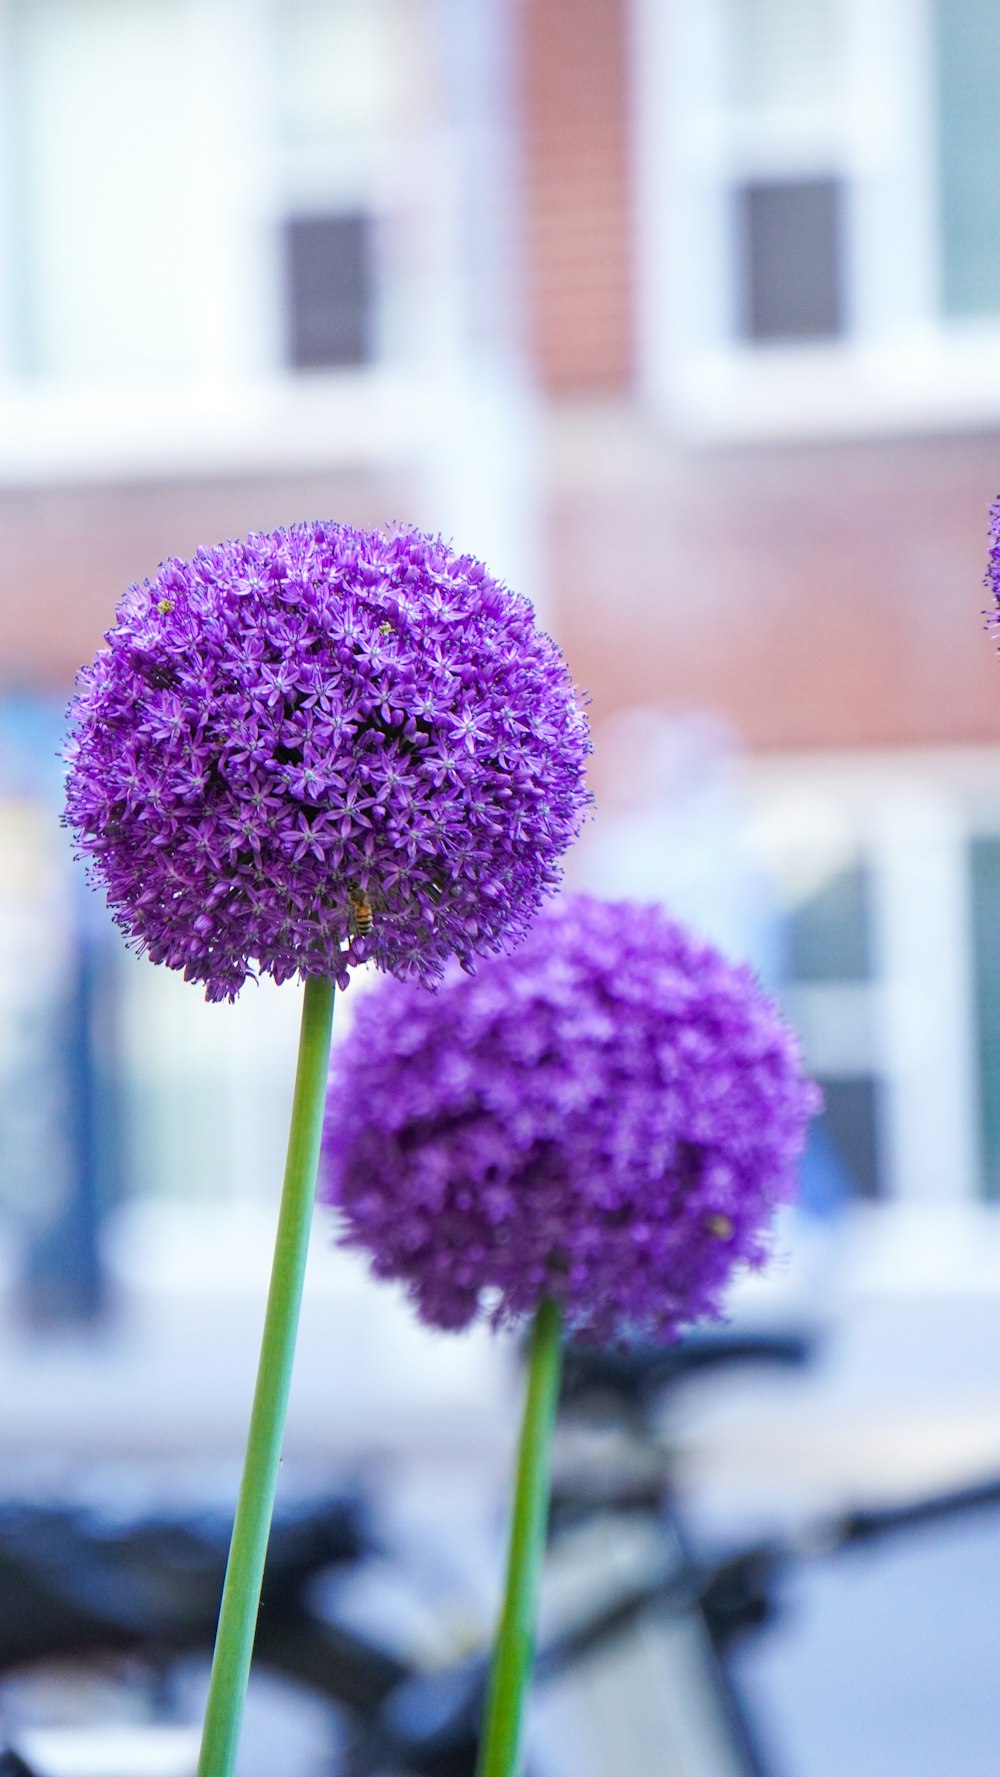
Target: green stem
<point x="512" y="1658"/>
<point x="245" y="1569"/>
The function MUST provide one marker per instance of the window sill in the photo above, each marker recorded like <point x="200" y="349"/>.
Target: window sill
<point x="363" y="419"/>
<point x="773" y="394"/>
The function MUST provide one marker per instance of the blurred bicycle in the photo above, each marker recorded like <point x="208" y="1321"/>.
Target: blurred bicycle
<point x="635" y="1610"/>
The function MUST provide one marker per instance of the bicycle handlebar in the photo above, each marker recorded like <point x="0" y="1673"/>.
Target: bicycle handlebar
<point x="632" y="1379"/>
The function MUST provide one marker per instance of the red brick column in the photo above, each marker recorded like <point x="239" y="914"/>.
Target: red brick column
<point x="573" y="94"/>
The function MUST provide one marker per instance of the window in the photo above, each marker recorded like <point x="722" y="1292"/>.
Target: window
<point x="780" y="53"/>
<point x="850" y="1127"/>
<point x="831" y="969"/>
<point x="790" y="251"/>
<point x="891" y="989"/>
<point x="820" y="213"/>
<point x="329" y="291"/>
<point x="966" y="55"/>
<point x="204" y="208"/>
<point x="100" y="267"/>
<point x="350" y="86"/>
<point x="985" y="916"/>
<point x="829" y="935"/>
<point x="344" y="69"/>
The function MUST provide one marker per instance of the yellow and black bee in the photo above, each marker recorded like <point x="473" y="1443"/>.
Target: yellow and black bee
<point x="361" y="911"/>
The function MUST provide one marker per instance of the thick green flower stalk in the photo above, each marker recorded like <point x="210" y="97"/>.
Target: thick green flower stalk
<point x="255" y="1506"/>
<point x="515" y="1644"/>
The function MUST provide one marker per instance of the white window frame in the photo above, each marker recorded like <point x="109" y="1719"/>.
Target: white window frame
<point x="243" y="409"/>
<point x="908" y="818"/>
<point x="900" y="365"/>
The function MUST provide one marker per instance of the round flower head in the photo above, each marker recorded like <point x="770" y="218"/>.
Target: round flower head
<point x="322" y="746"/>
<point x="609" y="1116"/>
<point x="991" y="578"/>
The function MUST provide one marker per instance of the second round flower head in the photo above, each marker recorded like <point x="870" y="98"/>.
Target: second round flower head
<point x="609" y="1117"/>
<point x="320" y="745"/>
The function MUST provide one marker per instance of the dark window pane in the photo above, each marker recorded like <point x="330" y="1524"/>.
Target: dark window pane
<point x="791" y="259"/>
<point x="843" y="1151"/>
<point x="330" y="290"/>
<point x="966" y="62"/>
<point x="828" y="937"/>
<point x="985" y="859"/>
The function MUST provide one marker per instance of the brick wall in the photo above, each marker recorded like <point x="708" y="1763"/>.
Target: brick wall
<point x="573" y="97"/>
<point x="70" y="552"/>
<point x="828" y="596"/>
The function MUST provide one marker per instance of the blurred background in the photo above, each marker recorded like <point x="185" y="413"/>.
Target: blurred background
<point x="686" y="318"/>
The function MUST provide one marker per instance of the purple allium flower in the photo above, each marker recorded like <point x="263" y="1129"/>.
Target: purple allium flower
<point x="610" y="1116"/>
<point x="322" y="746"/>
<point x="991" y="578"/>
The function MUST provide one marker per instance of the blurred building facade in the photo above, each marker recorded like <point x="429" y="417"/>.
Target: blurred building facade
<point x="254" y="266"/>
<point x="764" y="306"/>
<point x="687" y="318"/>
<point x="242" y="280"/>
